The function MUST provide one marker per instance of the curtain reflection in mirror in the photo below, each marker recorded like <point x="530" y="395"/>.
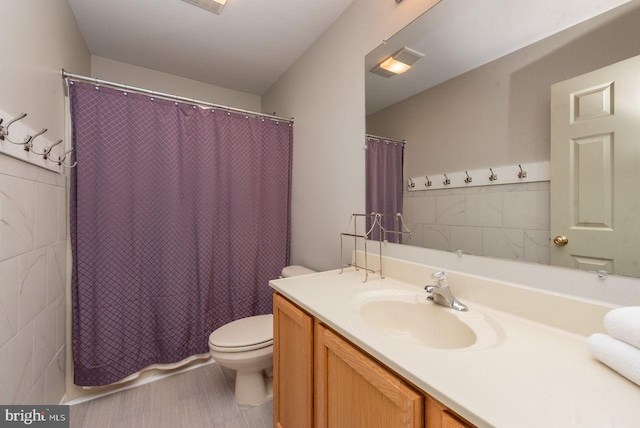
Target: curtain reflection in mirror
<point x="384" y="160"/>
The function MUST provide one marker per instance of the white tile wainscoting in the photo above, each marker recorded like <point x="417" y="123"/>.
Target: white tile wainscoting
<point x="508" y="221"/>
<point x="33" y="252"/>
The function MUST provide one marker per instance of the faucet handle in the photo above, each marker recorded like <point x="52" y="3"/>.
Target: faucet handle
<point x="439" y="276"/>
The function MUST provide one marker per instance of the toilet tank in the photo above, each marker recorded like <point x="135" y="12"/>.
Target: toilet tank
<point x="295" y="270"/>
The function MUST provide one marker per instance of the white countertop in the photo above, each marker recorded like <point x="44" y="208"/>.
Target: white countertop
<point x="535" y="376"/>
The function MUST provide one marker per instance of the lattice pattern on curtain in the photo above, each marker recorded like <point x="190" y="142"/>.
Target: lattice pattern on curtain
<point x="179" y="218"/>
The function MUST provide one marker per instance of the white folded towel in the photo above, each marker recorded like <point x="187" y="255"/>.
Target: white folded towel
<point x="624" y="324"/>
<point x="620" y="356"/>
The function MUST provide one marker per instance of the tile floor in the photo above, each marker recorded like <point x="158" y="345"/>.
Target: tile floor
<point x="202" y="397"/>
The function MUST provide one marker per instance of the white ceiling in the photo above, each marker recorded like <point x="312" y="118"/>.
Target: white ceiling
<point x="457" y="36"/>
<point x="247" y="47"/>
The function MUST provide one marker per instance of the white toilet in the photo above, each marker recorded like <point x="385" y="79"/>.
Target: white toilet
<point x="246" y="346"/>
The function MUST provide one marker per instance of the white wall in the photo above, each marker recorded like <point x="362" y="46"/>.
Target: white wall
<point x="128" y="74"/>
<point x="39" y="37"/>
<point x="324" y="91"/>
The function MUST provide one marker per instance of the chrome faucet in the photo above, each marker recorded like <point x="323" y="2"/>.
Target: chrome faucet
<point x="441" y="293"/>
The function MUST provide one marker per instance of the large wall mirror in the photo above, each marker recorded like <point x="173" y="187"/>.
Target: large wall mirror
<point x="551" y="85"/>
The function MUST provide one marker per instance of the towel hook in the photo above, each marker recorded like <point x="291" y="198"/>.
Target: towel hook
<point x="428" y="183"/>
<point x="468" y="179"/>
<point x="411" y="184"/>
<point x="28" y="142"/>
<point x="522" y="174"/>
<point x="493" y="176"/>
<point x="4" y="130"/>
<point x="446" y="181"/>
<point x="47" y="150"/>
<point x="61" y="159"/>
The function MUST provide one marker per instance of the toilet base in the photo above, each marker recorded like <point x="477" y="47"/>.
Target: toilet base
<point x="253" y="387"/>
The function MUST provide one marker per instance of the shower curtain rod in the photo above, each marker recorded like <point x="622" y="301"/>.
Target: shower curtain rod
<point x="403" y="142"/>
<point x="71" y="76"/>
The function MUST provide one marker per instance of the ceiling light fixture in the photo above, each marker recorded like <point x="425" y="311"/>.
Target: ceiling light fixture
<point x="214" y="6"/>
<point x="397" y="63"/>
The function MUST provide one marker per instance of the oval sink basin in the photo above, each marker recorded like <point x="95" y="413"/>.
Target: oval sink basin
<point x="421" y="324"/>
<point x="410" y="317"/>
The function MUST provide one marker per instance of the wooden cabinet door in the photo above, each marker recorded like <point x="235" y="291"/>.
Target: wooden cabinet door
<point x="439" y="416"/>
<point x="451" y="421"/>
<point x="352" y="390"/>
<point x="292" y="365"/>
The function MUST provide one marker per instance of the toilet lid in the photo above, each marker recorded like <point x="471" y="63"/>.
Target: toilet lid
<point x="295" y="270"/>
<point x="244" y="334"/>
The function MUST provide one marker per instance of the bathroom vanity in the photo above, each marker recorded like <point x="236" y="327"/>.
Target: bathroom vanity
<point x="312" y="360"/>
<point x="349" y="353"/>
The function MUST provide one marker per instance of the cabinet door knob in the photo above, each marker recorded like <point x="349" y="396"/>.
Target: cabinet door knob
<point x="560" y="240"/>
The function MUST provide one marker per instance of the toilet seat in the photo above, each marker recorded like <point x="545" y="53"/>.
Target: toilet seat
<point x="242" y="335"/>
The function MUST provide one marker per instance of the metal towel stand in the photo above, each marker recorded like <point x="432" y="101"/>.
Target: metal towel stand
<point x="376" y="223"/>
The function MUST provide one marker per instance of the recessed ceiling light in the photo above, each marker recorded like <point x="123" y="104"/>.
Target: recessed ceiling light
<point x="397" y="63"/>
<point x="214" y="6"/>
<point x="394" y="66"/>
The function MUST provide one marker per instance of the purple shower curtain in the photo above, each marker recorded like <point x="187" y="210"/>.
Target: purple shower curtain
<point x="383" y="161"/>
<point x="179" y="218"/>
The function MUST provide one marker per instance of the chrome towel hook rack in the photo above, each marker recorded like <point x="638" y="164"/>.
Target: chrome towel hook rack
<point x="28" y="144"/>
<point x="508" y="174"/>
